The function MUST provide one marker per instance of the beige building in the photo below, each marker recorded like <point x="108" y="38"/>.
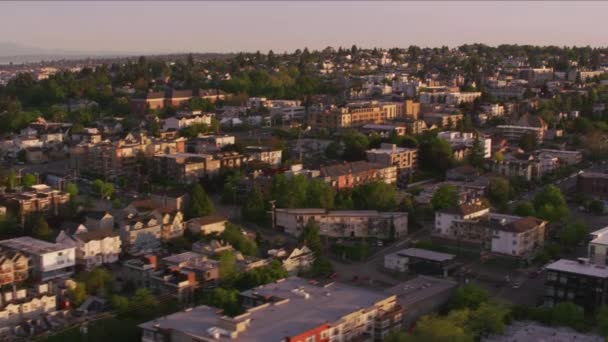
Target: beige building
<point x="14" y="267"/>
<point x="405" y="159"/>
<point x="20" y="306"/>
<point x="93" y="247"/>
<point x="264" y="154"/>
<point x="207" y="225"/>
<point x="185" y="167"/>
<point x="354" y="114"/>
<point x="344" y="223"/>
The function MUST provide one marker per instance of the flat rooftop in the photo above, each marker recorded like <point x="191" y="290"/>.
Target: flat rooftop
<point x="30" y="245"/>
<point x="420" y="289"/>
<point x="532" y="331"/>
<point x="573" y="266"/>
<point x="296" y="306"/>
<point x="600" y="236"/>
<point x="425" y="254"/>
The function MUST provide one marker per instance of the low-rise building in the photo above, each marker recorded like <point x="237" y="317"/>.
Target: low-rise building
<point x="206" y="225"/>
<point x="20" y="306"/>
<point x="207" y="270"/>
<point x="299" y="260"/>
<point x="564" y="157"/>
<point x="47" y="260"/>
<point x="264" y="154"/>
<point x="598" y="247"/>
<point x="516" y="236"/>
<point x="349" y="175"/>
<point x="576" y="281"/>
<point x="593" y="184"/>
<point x="185" y="167"/>
<point x="344" y="223"/>
<point x="288" y="310"/>
<point x="405" y="159"/>
<point x="442" y="120"/>
<point x="467" y="140"/>
<point x="39" y="198"/>
<point x="419" y="260"/>
<point x="185" y="119"/>
<point x="140" y="234"/>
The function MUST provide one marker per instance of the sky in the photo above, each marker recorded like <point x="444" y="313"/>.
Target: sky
<point x="231" y="26"/>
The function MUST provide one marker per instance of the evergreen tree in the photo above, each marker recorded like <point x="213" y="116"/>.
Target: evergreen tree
<point x="254" y="209"/>
<point x="310" y="236"/>
<point x="200" y="204"/>
<point x="477" y="155"/>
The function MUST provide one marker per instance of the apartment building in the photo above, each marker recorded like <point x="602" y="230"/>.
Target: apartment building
<point x="344" y="223"/>
<point x="39" y="198"/>
<point x="151" y="213"/>
<point x="211" y="143"/>
<point x="143" y="102"/>
<point x="565" y="157"/>
<point x="184" y="119"/>
<point x="354" y="114"/>
<point x="264" y="154"/>
<point x="93" y="247"/>
<point x="111" y="159"/>
<point x="507" y="92"/>
<point x="452" y="98"/>
<point x="404" y="159"/>
<point x="442" y="120"/>
<point x="348" y="175"/>
<point x="449" y="222"/>
<point x="22" y="305"/>
<point x="594" y="184"/>
<point x="185" y="167"/>
<point x="524" y="166"/>
<point x="411" y="109"/>
<point x="577" y="281"/>
<point x="290" y="310"/>
<point x="14" y="267"/>
<point x="47" y="260"/>
<point x="231" y="160"/>
<point x="516" y="236"/>
<point x="598" y="247"/>
<point x="466" y="140"/>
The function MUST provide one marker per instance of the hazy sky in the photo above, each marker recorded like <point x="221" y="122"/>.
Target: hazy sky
<point x="171" y="26"/>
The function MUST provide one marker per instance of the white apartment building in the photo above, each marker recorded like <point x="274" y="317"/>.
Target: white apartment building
<point x="445" y="219"/>
<point x="453" y="98"/>
<point x="185" y="119"/>
<point x="459" y="139"/>
<point x="516" y="236"/>
<point x="344" y="223"/>
<point x="48" y="260"/>
<point x="93" y="247"/>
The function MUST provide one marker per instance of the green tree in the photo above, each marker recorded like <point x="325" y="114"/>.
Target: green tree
<point x="143" y="302"/>
<point x="436" y="155"/>
<point x="104" y="189"/>
<point x="602" y="320"/>
<point x="499" y="191"/>
<point x="199" y="204"/>
<point x="438" y="329"/>
<point x="77" y="294"/>
<point x="488" y="319"/>
<point x="321" y="267"/>
<point x="253" y="209"/>
<point x="71" y="189"/>
<point x="573" y="232"/>
<point x="498" y="156"/>
<point x="319" y="194"/>
<point x="119" y="303"/>
<point x="528" y="142"/>
<point x="355" y="145"/>
<point x="98" y="281"/>
<point x="40" y="228"/>
<point x="375" y="196"/>
<point x="28" y="180"/>
<point x="311" y="237"/>
<point x="524" y="208"/>
<point x="227" y="264"/>
<point x="476" y="157"/>
<point x="469" y="296"/>
<point x="568" y="314"/>
<point x="550" y="204"/>
<point x="225" y="299"/>
<point x="233" y="234"/>
<point x="445" y="197"/>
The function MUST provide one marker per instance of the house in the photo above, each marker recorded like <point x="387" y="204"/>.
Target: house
<point x="419" y="261"/>
<point x="47" y="260"/>
<point x="14" y="267"/>
<point x="99" y="220"/>
<point x="140" y="234"/>
<point x="93" y="247"/>
<point x="185" y="119"/>
<point x="206" y="225"/>
<point x="207" y="270"/>
<point x="344" y="223"/>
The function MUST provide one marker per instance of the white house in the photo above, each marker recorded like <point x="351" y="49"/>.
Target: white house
<point x="93" y="247"/>
<point x="183" y="120"/>
<point x="48" y="260"/>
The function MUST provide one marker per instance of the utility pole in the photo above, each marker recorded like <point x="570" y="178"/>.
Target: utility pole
<point x="272" y="213"/>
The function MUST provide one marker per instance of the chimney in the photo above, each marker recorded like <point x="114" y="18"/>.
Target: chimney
<point x="153" y="260"/>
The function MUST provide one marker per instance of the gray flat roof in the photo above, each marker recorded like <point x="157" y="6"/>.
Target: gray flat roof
<point x="308" y="306"/>
<point x="30" y="245"/>
<point x="573" y="266"/>
<point x="419" y="289"/>
<point x="425" y="254"/>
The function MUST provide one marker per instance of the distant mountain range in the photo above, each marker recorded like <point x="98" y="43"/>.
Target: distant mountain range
<point x="18" y="53"/>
